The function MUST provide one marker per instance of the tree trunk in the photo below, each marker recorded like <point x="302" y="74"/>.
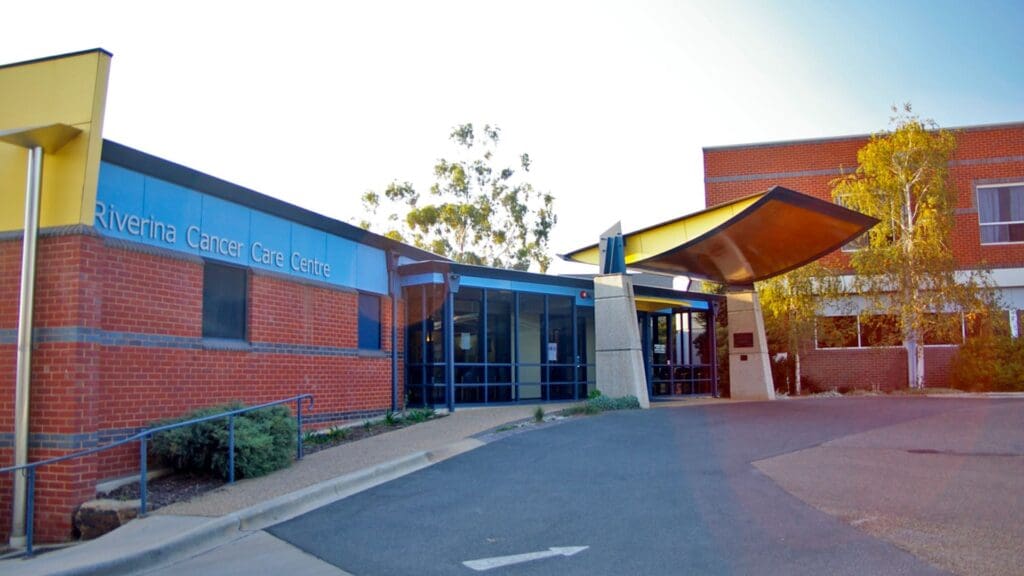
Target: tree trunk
<point x="796" y="370"/>
<point x="915" y="363"/>
<point x="920" y="367"/>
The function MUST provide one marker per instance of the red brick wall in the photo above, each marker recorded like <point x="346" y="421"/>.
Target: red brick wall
<point x="138" y="356"/>
<point x="64" y="385"/>
<point x="972" y="161"/>
<point x="866" y="368"/>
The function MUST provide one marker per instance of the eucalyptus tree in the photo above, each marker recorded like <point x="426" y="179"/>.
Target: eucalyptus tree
<point x="477" y="211"/>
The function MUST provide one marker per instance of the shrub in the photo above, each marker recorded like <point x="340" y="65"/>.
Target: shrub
<point x="809" y="385"/>
<point x="598" y="403"/>
<point x="418" y="415"/>
<point x="989" y="364"/>
<point x="538" y="414"/>
<point x="264" y="442"/>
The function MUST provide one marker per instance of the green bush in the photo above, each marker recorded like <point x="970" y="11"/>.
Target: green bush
<point x="418" y="415"/>
<point x="264" y="442"/>
<point x="988" y="365"/>
<point x="598" y="403"/>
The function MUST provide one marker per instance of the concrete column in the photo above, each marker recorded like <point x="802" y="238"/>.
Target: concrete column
<point x="750" y="372"/>
<point x="620" y="360"/>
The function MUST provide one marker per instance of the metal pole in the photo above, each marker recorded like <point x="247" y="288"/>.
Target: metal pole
<point x="298" y="426"/>
<point x="24" y="367"/>
<point x="30" y="510"/>
<point x="711" y="326"/>
<point x="231" y="449"/>
<point x="396" y="290"/>
<point x="143" y="473"/>
<point x="449" y="352"/>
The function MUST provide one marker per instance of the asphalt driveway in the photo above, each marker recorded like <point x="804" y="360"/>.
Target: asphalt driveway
<point x="689" y="490"/>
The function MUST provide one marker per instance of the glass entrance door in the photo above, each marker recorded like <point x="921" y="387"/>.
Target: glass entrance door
<point x="676" y="353"/>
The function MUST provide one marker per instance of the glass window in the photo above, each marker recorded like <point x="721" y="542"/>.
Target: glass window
<point x="369" y="322"/>
<point x="585" y="343"/>
<point x="560" y="353"/>
<point x="1001" y="213"/>
<point x="879" y="330"/>
<point x="700" y="340"/>
<point x="500" y="337"/>
<point x="531" y="345"/>
<point x="435" y="325"/>
<point x="836" y="331"/>
<point x="499" y="327"/>
<point x="995" y="324"/>
<point x="468" y="324"/>
<point x="414" y="320"/>
<point x="225" y="297"/>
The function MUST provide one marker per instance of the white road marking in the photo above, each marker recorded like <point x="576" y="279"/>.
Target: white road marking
<point x="488" y="563"/>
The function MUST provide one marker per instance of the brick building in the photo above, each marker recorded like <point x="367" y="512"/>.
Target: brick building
<point x="159" y="289"/>
<point x="987" y="175"/>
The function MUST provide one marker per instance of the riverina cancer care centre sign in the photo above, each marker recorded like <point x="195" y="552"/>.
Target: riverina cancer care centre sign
<point x="139" y="208"/>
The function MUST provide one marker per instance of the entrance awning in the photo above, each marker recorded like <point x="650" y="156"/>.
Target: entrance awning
<point x="741" y="242"/>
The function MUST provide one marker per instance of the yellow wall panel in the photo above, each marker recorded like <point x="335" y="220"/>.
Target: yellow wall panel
<point x="67" y="90"/>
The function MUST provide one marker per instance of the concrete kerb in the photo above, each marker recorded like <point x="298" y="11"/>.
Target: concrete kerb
<point x="87" y="559"/>
<point x="301" y="501"/>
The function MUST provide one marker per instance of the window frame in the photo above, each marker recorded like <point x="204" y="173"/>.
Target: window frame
<point x="856" y="333"/>
<point x="977" y="202"/>
<point x="362" y="329"/>
<point x="240" y="334"/>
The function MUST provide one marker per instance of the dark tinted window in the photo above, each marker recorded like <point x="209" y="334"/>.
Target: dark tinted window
<point x="944" y="329"/>
<point x="996" y="323"/>
<point x="225" y="291"/>
<point x="369" y="322"/>
<point x="880" y="331"/>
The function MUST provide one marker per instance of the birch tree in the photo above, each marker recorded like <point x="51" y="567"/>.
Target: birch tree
<point x="906" y="269"/>
<point x="792" y="302"/>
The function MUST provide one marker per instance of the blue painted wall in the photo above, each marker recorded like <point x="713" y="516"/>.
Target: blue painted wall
<point x="133" y="206"/>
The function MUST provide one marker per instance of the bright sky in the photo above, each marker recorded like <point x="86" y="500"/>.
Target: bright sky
<point x="317" y="102"/>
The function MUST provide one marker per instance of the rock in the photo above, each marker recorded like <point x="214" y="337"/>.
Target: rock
<point x="97" y="517"/>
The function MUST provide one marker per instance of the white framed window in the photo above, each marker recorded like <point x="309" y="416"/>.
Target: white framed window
<point x="1001" y="213"/>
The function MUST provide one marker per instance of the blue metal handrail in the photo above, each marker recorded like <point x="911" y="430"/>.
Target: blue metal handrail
<point x="30" y="469"/>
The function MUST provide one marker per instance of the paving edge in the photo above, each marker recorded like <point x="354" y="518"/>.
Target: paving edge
<point x="221" y="529"/>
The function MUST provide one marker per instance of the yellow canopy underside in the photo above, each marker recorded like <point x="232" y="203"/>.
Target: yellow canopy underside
<point x="653" y="304"/>
<point x="744" y="241"/>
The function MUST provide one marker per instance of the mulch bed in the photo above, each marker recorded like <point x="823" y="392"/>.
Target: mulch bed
<point x="168" y="489"/>
<point x="355" y="433"/>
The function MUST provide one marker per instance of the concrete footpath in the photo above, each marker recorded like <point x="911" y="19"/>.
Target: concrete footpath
<point x="235" y="511"/>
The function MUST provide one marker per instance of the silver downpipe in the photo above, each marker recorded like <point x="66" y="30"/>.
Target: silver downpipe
<point x="23" y="377"/>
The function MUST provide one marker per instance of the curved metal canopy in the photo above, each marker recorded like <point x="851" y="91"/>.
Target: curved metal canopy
<point x="741" y="242"/>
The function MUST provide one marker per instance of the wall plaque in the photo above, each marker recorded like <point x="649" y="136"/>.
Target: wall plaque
<point x="743" y="340"/>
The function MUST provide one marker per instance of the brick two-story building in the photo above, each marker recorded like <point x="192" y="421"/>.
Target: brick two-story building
<point x="987" y="175"/>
